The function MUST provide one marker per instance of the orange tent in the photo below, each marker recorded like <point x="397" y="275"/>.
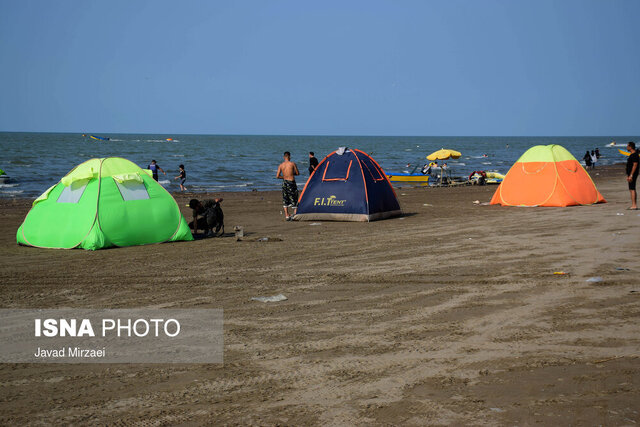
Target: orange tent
<point x="547" y="175"/>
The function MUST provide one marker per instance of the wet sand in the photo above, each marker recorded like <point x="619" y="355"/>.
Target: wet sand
<point x="448" y="315"/>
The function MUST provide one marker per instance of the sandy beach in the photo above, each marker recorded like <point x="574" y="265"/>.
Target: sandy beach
<point x="450" y="314"/>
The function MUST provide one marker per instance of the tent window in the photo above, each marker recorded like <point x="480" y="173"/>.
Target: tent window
<point x="72" y="193"/>
<point x="379" y="178"/>
<point x="324" y="175"/>
<point x="132" y="190"/>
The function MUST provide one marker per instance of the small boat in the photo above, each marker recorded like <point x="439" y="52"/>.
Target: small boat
<point x="489" y="177"/>
<point x="494" y="177"/>
<point x="624" y="153"/>
<point x="99" y="138"/>
<point x="411" y="178"/>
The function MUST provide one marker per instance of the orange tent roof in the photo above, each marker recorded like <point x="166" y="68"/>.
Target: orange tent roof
<point x="547" y="175"/>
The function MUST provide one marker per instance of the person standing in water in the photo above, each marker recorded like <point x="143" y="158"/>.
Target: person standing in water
<point x="313" y="162"/>
<point x="587" y="160"/>
<point x="182" y="177"/>
<point x="154" y="169"/>
<point x="287" y="172"/>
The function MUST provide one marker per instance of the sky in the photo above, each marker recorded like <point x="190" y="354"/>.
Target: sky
<point x="303" y="67"/>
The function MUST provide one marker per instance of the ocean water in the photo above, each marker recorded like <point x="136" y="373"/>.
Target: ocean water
<point x="217" y="163"/>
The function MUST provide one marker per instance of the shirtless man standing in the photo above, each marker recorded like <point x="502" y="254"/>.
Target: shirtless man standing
<point x="287" y="171"/>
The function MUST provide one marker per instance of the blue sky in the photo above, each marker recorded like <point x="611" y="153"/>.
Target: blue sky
<point x="476" y="67"/>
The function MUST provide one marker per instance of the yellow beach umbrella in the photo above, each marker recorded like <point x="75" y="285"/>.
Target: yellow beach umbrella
<point x="444" y="154"/>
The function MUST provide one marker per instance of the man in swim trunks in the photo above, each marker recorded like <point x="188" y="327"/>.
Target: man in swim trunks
<point x="154" y="169"/>
<point x="210" y="214"/>
<point x="632" y="173"/>
<point x="287" y="171"/>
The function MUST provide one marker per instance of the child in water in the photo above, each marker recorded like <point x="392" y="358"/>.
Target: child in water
<point x="182" y="177"/>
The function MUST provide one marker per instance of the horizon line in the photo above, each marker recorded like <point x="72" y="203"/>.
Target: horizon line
<point x="325" y="135"/>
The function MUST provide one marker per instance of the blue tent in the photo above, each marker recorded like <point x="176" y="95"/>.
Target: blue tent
<point x="348" y="185"/>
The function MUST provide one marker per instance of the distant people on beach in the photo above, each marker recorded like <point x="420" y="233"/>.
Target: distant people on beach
<point x="182" y="177"/>
<point x="207" y="215"/>
<point x="429" y="168"/>
<point x="633" y="166"/>
<point x="287" y="172"/>
<point x="432" y="169"/>
<point x="594" y="159"/>
<point x="597" y="153"/>
<point x="154" y="169"/>
<point x="313" y="162"/>
<point x="587" y="160"/>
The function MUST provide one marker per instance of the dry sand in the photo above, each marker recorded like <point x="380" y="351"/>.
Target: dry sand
<point x="449" y="315"/>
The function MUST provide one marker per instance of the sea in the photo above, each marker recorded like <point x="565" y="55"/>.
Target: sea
<point x="219" y="163"/>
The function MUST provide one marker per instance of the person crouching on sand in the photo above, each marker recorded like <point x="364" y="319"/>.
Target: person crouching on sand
<point x="287" y="172"/>
<point x="210" y="214"/>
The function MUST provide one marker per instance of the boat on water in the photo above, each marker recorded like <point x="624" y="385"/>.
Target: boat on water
<point x="99" y="138"/>
<point x="409" y="178"/>
<point x="494" y="177"/>
<point x="486" y="177"/>
<point x="417" y="177"/>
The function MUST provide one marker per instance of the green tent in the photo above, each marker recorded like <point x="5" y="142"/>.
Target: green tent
<point x="102" y="203"/>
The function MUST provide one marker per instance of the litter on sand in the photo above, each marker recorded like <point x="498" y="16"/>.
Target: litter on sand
<point x="269" y="239"/>
<point x="622" y="269"/>
<point x="596" y="279"/>
<point x="274" y="298"/>
<point x="315" y="223"/>
<point x="560" y="273"/>
<point x="239" y="230"/>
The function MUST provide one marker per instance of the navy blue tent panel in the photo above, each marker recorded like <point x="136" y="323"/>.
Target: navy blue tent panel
<point x="348" y="187"/>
